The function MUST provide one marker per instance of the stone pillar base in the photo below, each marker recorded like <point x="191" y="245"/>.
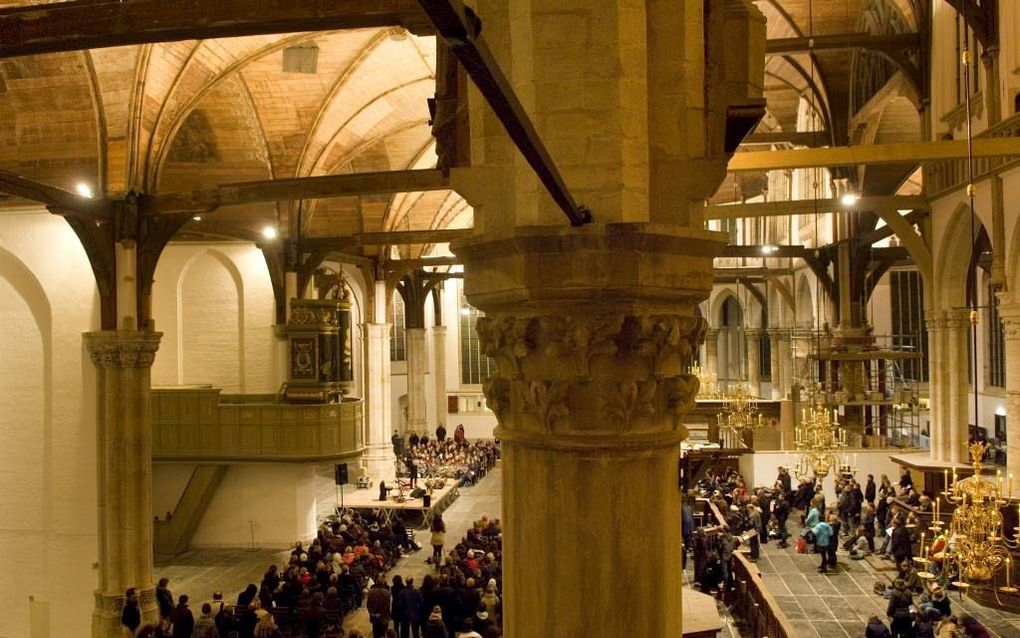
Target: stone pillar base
<point x="379" y="461"/>
<point x="108" y="610"/>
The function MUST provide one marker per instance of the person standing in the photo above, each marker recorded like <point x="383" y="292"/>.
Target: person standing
<point x="869" y="489"/>
<point x="441" y="433"/>
<point x="782" y="512"/>
<point x="205" y="626"/>
<point x="182" y="618"/>
<point x="164" y="598"/>
<point x="378" y="603"/>
<point x="409" y="617"/>
<point x="899" y="610"/>
<point x="785" y="480"/>
<point x="868" y="523"/>
<point x="131" y="616"/>
<point x="900" y="544"/>
<point x="438" y="528"/>
<point x="823" y="534"/>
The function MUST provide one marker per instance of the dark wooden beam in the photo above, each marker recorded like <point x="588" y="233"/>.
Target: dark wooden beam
<point x="842" y="42"/>
<point x="90" y="24"/>
<point x="462" y="31"/>
<point x="819" y="138"/>
<point x="777" y="252"/>
<point x="56" y="199"/>
<point x="278" y="190"/>
<point x="879" y="234"/>
<point x="981" y="18"/>
<point x="394" y="238"/>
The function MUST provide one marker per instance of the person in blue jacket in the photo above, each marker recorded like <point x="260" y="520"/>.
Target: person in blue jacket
<point x="823" y="533"/>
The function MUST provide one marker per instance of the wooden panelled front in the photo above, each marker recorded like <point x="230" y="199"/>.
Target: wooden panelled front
<point x="192" y="423"/>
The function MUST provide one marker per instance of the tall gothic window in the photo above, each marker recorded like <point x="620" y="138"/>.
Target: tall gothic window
<point x="474" y="366"/>
<point x="398" y="339"/>
<point x="909" y="332"/>
<point x="996" y="345"/>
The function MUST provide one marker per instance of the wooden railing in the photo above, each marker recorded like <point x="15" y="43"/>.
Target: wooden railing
<point x="753" y="604"/>
<point x="945" y="175"/>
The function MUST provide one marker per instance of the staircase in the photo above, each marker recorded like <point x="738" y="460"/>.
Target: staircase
<point x="173" y="537"/>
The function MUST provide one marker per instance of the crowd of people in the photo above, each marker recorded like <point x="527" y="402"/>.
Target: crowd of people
<point x="917" y="608"/>
<point x="442" y="457"/>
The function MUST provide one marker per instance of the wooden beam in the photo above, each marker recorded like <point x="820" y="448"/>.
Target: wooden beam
<point x="462" y="31"/>
<point x="324" y="187"/>
<point x="887" y="231"/>
<point x="873" y="154"/>
<point x="842" y="42"/>
<point x="87" y="24"/>
<point x="56" y="199"/>
<point x="810" y="206"/>
<point x="395" y="238"/>
<point x="777" y="252"/>
<point x="816" y="139"/>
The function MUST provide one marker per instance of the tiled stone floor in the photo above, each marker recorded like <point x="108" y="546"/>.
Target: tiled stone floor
<point x="836" y="605"/>
<point x="839" y="603"/>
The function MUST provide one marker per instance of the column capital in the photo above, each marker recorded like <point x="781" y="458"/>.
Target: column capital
<point x="585" y="383"/>
<point x="122" y="348"/>
<point x="753" y="334"/>
<point x="712" y="334"/>
<point x="935" y="319"/>
<point x="957" y="319"/>
<point x="438" y="330"/>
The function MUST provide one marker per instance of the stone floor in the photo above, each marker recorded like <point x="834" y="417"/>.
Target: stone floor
<point x="839" y="603"/>
<point x="836" y="605"/>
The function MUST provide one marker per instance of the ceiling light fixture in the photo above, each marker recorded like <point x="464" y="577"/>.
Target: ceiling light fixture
<point x="84" y="189"/>
<point x="849" y="198"/>
<point x="197" y="218"/>
<point x="768" y="249"/>
<point x="269" y="232"/>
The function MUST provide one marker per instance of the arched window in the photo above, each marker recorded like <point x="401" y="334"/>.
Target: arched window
<point x="906" y="296"/>
<point x="398" y="341"/>
<point x="474" y="366"/>
<point x="996" y="346"/>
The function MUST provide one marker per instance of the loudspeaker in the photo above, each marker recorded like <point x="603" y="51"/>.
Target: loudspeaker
<point x="426" y="501"/>
<point x="341" y="474"/>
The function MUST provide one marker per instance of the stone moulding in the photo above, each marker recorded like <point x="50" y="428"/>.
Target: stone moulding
<point x="122" y="348"/>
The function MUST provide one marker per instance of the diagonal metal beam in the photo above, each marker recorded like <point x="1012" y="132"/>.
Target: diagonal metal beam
<point x="56" y="199"/>
<point x="461" y="29"/>
<point x="324" y="187"/>
<point x="92" y="24"/>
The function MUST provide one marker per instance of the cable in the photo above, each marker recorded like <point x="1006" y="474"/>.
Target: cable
<point x="965" y="60"/>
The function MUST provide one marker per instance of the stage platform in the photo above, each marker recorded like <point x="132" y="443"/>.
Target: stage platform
<point x="368" y="499"/>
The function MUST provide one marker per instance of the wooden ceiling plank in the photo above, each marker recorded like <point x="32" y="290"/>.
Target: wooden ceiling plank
<point x="842" y="42"/>
<point x="392" y="238"/>
<point x="85" y="24"/>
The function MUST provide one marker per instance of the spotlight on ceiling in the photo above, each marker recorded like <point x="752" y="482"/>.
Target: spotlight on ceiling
<point x="768" y="249"/>
<point x="269" y="232"/>
<point x="84" y="189"/>
<point x="849" y="198"/>
<point x="197" y="218"/>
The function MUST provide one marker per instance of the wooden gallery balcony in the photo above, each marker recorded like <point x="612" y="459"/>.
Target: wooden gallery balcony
<point x="198" y="423"/>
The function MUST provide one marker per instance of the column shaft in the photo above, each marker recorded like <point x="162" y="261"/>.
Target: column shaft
<point x="936" y="383"/>
<point x="754" y="361"/>
<point x="439" y="371"/>
<point x="955" y="445"/>
<point x="378" y="456"/>
<point x="123" y="360"/>
<point x="776" y="365"/>
<point x="417" y="366"/>
<point x="712" y="352"/>
<point x="1011" y="332"/>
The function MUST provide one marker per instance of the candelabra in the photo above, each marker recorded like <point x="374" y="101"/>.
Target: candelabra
<point x="975" y="545"/>
<point x="740" y="413"/>
<point x="708" y="383"/>
<point x="819" y="439"/>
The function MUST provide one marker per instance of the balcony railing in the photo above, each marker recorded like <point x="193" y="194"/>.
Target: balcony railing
<point x="197" y="424"/>
<point x="945" y="175"/>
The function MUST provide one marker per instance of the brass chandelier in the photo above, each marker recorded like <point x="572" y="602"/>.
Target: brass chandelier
<point x="708" y="383"/>
<point x="975" y="544"/>
<point x="741" y="412"/>
<point x="819" y="439"/>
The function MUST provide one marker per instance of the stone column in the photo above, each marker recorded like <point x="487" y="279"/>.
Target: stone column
<point x="775" y="362"/>
<point x="591" y="325"/>
<point x="937" y="378"/>
<point x="439" y="371"/>
<point x="955" y="445"/>
<point x="712" y="352"/>
<point x="417" y="366"/>
<point x="1011" y="332"/>
<point x="123" y="360"/>
<point x="753" y="361"/>
<point x="378" y="456"/>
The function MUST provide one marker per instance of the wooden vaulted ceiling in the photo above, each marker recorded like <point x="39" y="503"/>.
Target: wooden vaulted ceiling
<point x="186" y="115"/>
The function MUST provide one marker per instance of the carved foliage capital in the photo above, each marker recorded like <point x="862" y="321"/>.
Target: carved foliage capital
<point x="122" y="349"/>
<point x="590" y="374"/>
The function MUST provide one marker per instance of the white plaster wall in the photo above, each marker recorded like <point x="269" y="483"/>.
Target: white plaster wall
<point x="48" y="299"/>
<point x="214" y="304"/>
<point x="476" y="425"/>
<point x="168" y="483"/>
<point x="279" y="498"/>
